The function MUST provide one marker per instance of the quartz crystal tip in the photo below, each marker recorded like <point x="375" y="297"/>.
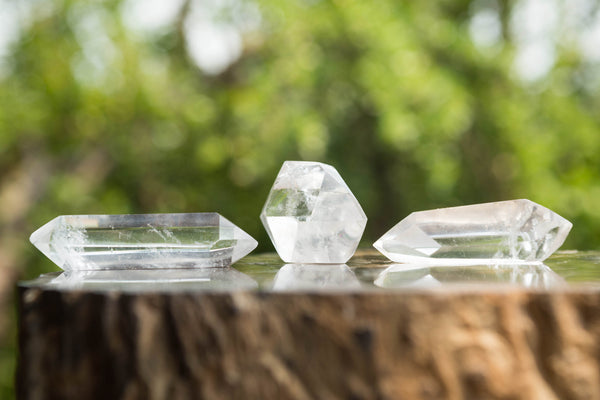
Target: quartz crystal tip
<point x="505" y="231"/>
<point x="311" y="215"/>
<point x="142" y="241"/>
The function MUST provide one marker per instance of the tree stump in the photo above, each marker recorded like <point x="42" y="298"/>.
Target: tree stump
<point x="496" y="342"/>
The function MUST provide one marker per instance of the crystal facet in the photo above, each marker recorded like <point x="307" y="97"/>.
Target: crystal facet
<point x="311" y="215"/>
<point x="90" y="242"/>
<point x="506" y="231"/>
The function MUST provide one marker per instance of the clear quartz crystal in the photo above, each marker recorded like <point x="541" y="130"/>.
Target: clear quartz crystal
<point x="507" y="231"/>
<point x="311" y="215"/>
<point x="91" y="242"/>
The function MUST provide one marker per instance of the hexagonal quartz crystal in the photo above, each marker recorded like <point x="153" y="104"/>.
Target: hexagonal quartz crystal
<point x="311" y="215"/>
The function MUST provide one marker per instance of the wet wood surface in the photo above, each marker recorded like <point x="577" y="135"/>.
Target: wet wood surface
<point x="487" y="343"/>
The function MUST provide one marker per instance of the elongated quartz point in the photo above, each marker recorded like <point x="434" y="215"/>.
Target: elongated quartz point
<point x="91" y="242"/>
<point x="506" y="231"/>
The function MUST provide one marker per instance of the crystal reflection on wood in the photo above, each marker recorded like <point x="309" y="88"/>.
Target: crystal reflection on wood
<point x="315" y="277"/>
<point x="92" y="242"/>
<point x="533" y="275"/>
<point x="144" y="280"/>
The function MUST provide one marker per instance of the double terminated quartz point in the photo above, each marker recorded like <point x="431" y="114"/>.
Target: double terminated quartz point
<point x="92" y="242"/>
<point x="312" y="216"/>
<point x="506" y="231"/>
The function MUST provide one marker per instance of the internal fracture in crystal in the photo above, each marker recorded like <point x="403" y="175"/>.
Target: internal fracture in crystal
<point x="311" y="215"/>
<point x="514" y="230"/>
<point x="91" y="242"/>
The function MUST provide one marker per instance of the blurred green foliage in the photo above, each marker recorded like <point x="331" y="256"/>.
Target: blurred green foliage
<point x="96" y="117"/>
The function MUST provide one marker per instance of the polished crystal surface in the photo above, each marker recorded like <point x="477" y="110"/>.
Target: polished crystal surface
<point x="311" y="215"/>
<point x="410" y="276"/>
<point x="91" y="242"/>
<point x="510" y="231"/>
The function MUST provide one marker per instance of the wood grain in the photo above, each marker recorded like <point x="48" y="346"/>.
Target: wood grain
<point x="509" y="344"/>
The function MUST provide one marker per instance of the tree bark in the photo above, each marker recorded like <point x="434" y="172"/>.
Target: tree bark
<point x="509" y="344"/>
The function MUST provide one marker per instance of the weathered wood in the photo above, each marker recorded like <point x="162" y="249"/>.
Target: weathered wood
<point x="504" y="344"/>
